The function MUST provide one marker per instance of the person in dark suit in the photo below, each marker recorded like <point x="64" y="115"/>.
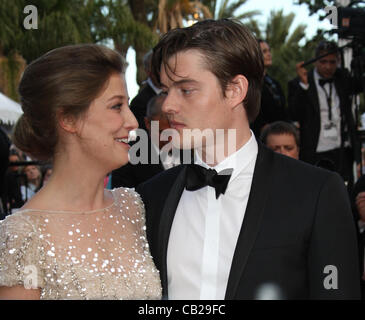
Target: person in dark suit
<point x="358" y="209"/>
<point x="4" y="161"/>
<point x="282" y="137"/>
<point x="320" y="101"/>
<point x="247" y="223"/>
<point x="149" y="90"/>
<point x="273" y="101"/>
<point x="12" y="196"/>
<point x="131" y="175"/>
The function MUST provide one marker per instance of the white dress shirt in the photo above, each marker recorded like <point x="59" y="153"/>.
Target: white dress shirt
<point x="205" y="230"/>
<point x="329" y="139"/>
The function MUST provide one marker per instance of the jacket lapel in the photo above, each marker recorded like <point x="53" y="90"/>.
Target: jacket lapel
<point x="260" y="189"/>
<point x="167" y="217"/>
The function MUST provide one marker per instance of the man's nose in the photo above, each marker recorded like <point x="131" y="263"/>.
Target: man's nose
<point x="170" y="104"/>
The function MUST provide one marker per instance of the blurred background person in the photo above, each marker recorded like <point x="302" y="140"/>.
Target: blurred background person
<point x="282" y="137"/>
<point x="46" y="170"/>
<point x="273" y="102"/>
<point x="149" y="90"/>
<point x="32" y="182"/>
<point x="320" y="101"/>
<point x="4" y="161"/>
<point x="12" y="198"/>
<point x="131" y="175"/>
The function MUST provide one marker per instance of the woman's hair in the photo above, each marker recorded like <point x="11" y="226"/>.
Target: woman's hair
<point x="229" y="49"/>
<point x="63" y="81"/>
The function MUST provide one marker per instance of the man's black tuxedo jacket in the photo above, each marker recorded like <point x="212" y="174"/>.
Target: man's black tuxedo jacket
<point x="297" y="221"/>
<point x="304" y="107"/>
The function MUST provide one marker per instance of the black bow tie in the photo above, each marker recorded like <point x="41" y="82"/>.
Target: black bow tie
<point x="198" y="177"/>
<point x="322" y="82"/>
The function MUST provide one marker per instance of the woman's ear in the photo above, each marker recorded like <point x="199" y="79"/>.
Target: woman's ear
<point x="237" y="90"/>
<point x="67" y="122"/>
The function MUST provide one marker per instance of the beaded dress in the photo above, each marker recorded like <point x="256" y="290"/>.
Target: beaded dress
<point x="100" y="254"/>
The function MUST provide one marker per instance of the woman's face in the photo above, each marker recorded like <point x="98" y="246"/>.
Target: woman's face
<point x="105" y="127"/>
<point x="266" y="52"/>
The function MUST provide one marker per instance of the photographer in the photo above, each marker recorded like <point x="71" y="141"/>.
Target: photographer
<point x="321" y="101"/>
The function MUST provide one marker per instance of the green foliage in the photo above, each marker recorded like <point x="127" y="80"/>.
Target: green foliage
<point x="315" y="5"/>
<point x="229" y="9"/>
<point x="59" y="23"/>
<point x="285" y="44"/>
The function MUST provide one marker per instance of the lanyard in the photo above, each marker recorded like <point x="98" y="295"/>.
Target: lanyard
<point x="329" y="101"/>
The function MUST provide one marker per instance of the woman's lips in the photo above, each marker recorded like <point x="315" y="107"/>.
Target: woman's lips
<point x="123" y="141"/>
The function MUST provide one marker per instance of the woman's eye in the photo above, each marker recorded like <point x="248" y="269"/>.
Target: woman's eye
<point x="117" y="106"/>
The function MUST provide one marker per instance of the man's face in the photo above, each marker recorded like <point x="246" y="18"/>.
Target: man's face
<point x="284" y="144"/>
<point x="327" y="66"/>
<point x="266" y="52"/>
<point x="194" y="98"/>
<point x="14" y="158"/>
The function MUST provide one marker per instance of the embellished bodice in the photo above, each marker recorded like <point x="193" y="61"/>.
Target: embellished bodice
<point x="101" y="254"/>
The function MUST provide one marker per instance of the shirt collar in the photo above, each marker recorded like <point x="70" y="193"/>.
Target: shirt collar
<point x="238" y="161"/>
<point x="317" y="76"/>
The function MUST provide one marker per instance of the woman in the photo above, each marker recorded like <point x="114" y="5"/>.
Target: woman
<point x="74" y="239"/>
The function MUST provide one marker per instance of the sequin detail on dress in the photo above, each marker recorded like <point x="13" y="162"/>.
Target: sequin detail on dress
<point x="100" y="254"/>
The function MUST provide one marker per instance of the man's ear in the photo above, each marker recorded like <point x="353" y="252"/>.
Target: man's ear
<point x="237" y="90"/>
<point x="67" y="122"/>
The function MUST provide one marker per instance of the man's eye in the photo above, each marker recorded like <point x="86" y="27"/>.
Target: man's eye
<point x="186" y="91"/>
<point x="163" y="93"/>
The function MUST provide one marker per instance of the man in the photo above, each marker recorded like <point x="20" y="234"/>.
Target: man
<point x="320" y="101"/>
<point x="274" y="224"/>
<point x="131" y="175"/>
<point x="282" y="137"/>
<point x="149" y="90"/>
<point x="272" y="96"/>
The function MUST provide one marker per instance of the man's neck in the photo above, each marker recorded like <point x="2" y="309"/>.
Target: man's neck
<point x="219" y="151"/>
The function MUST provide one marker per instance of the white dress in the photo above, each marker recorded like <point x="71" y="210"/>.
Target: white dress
<point x="101" y="254"/>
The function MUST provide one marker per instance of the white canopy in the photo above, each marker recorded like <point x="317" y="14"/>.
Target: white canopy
<point x="10" y="111"/>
